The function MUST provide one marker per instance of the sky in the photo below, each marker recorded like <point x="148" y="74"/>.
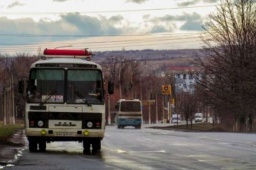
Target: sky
<point x="30" y="26"/>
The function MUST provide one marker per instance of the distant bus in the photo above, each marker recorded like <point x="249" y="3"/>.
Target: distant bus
<point x="128" y="113"/>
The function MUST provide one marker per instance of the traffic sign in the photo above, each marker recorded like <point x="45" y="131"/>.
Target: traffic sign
<point x="166" y="89"/>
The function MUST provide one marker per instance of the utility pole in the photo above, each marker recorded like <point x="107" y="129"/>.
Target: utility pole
<point x="156" y="108"/>
<point x="109" y="114"/>
<point x="12" y="100"/>
<point x="4" y="105"/>
<point x="120" y="81"/>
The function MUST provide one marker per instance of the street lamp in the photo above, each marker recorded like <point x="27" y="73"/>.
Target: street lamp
<point x="120" y="82"/>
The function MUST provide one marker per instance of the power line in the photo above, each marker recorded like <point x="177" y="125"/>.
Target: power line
<point x="106" y="46"/>
<point x="139" y="38"/>
<point x="91" y="35"/>
<point x="69" y="35"/>
<point x="99" y="12"/>
<point x="177" y="35"/>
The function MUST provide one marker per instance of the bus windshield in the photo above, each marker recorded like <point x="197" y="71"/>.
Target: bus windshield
<point x="130" y="106"/>
<point x="46" y="85"/>
<point x="60" y="85"/>
<point x="84" y="86"/>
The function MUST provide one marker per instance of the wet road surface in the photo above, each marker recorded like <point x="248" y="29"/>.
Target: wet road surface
<point x="148" y="149"/>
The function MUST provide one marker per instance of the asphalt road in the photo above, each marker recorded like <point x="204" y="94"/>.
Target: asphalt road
<point x="149" y="149"/>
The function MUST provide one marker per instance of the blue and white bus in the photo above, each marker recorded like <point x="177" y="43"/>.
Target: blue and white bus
<point x="128" y="113"/>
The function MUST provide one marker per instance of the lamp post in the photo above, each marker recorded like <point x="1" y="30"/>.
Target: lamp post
<point x="120" y="82"/>
<point x="109" y="116"/>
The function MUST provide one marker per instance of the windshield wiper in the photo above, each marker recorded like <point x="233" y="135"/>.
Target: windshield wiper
<point x="82" y="98"/>
<point x="48" y="97"/>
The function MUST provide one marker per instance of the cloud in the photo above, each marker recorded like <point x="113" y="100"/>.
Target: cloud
<point x="192" y="26"/>
<point x="14" y="4"/>
<point x="74" y="26"/>
<point x="10" y="28"/>
<point x="137" y="1"/>
<point x="116" y="19"/>
<point x="194" y="2"/>
<point x="169" y="22"/>
<point x="60" y="0"/>
<point x="158" y="29"/>
<point x="71" y="25"/>
<point x="193" y="22"/>
<point x="188" y="3"/>
<point x="92" y="25"/>
<point x="188" y="17"/>
<point x="210" y="1"/>
<point x="159" y="24"/>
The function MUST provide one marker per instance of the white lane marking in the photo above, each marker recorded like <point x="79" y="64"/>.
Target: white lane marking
<point x="123" y="151"/>
<point x="119" y="162"/>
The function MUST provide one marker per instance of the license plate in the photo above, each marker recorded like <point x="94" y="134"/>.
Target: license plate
<point x="65" y="134"/>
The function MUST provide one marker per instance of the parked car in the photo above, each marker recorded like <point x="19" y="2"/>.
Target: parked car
<point x="198" y="117"/>
<point x="175" y="118"/>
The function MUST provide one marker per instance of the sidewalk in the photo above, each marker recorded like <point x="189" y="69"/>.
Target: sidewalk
<point x="10" y="152"/>
<point x="157" y="125"/>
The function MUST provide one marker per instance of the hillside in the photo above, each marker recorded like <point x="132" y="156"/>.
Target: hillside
<point x="159" y="56"/>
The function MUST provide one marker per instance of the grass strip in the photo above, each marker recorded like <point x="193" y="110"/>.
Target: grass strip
<point x="7" y="131"/>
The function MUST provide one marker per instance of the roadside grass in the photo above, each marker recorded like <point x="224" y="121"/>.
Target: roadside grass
<point x="197" y="127"/>
<point x="202" y="126"/>
<point x="8" y="130"/>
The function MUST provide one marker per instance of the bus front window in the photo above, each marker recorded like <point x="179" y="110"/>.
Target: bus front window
<point x="130" y="106"/>
<point x="84" y="86"/>
<point x="46" y="85"/>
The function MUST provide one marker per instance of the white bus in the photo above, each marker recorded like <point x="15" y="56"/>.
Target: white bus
<point x="65" y="100"/>
<point x="128" y="113"/>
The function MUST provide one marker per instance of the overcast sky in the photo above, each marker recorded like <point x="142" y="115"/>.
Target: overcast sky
<point x="102" y="25"/>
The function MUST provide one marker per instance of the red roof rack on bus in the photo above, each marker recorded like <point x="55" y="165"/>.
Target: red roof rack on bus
<point x="68" y="53"/>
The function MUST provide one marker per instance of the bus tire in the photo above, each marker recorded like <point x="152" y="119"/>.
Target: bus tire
<point x="32" y="145"/>
<point x="96" y="145"/>
<point x="138" y="127"/>
<point x="86" y="146"/>
<point x="42" y="145"/>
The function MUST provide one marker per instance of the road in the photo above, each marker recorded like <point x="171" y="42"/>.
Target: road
<point x="149" y="149"/>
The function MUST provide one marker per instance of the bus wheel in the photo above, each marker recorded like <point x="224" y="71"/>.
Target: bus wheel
<point x="96" y="145"/>
<point x="32" y="145"/>
<point x="42" y="146"/>
<point x="87" y="149"/>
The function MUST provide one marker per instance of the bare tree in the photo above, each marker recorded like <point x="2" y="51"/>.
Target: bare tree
<point x="187" y="105"/>
<point x="125" y="74"/>
<point x="229" y="70"/>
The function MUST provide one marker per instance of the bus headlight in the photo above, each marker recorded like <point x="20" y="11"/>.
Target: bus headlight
<point x="86" y="133"/>
<point x="43" y="132"/>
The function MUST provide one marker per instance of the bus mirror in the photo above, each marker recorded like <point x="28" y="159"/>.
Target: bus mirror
<point x="21" y="86"/>
<point x="110" y="87"/>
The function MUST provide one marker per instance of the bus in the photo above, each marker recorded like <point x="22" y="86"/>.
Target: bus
<point x="65" y="100"/>
<point x="128" y="113"/>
